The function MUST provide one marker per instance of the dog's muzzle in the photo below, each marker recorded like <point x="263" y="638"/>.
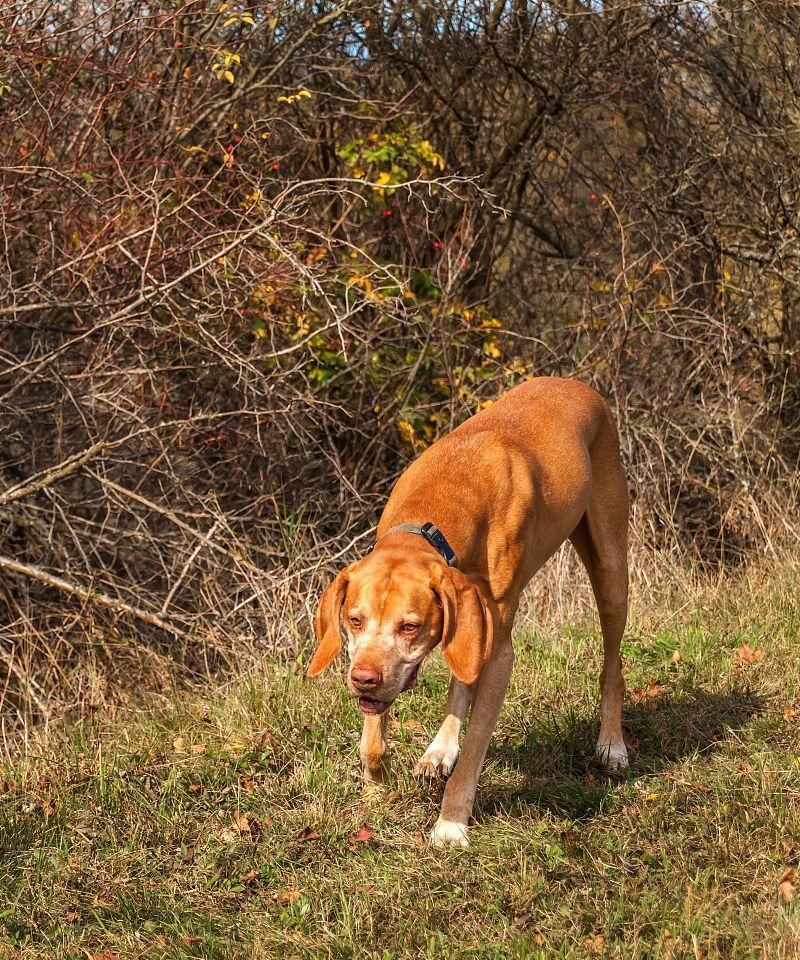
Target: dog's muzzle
<point x="375" y="707"/>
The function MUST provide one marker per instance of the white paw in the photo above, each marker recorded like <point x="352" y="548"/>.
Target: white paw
<point x="448" y="833"/>
<point x="437" y="761"/>
<point x="613" y="756"/>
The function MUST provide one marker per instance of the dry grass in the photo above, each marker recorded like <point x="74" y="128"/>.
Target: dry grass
<point x="178" y="828"/>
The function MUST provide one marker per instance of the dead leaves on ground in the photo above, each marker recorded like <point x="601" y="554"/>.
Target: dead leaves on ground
<point x="307" y="834"/>
<point x="647" y="694"/>
<point x="745" y="655"/>
<point x="287" y="897"/>
<point x="357" y="840"/>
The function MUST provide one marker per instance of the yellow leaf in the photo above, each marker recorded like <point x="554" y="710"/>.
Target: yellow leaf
<point x="228" y="76"/>
<point x="405" y="430"/>
<point x="223" y="7"/>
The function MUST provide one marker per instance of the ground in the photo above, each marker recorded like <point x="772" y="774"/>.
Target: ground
<point x="229" y="821"/>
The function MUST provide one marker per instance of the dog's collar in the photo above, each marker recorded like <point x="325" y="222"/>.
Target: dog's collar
<point x="432" y="534"/>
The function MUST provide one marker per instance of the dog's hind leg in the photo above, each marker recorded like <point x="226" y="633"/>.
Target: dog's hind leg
<point x="440" y="757"/>
<point x="601" y="539"/>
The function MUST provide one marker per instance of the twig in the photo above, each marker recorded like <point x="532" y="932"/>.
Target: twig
<point x="91" y="596"/>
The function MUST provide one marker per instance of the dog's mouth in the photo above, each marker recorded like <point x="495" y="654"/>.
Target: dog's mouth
<point x="375" y="707"/>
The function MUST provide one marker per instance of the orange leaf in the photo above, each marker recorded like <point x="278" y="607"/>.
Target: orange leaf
<point x="247" y="824"/>
<point x="287" y="896"/>
<point x="306" y="834"/>
<point x="364" y="835"/>
<point x="746" y="655"/>
<point x="787" y="886"/>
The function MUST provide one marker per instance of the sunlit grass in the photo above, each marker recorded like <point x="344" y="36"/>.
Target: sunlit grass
<point x="219" y="823"/>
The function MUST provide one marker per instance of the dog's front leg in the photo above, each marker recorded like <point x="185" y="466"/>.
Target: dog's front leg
<point x="439" y="758"/>
<point x="374" y="750"/>
<point x="459" y="794"/>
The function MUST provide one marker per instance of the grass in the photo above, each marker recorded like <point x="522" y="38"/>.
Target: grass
<point x="220" y="822"/>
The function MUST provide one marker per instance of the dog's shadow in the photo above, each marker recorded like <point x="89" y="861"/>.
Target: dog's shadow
<point x="552" y="763"/>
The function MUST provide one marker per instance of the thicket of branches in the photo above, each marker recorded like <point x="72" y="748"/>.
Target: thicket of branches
<point x="255" y="257"/>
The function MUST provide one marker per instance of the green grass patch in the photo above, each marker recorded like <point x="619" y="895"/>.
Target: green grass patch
<point x="220" y="823"/>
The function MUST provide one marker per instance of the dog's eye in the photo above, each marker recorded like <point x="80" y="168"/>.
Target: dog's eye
<point x="355" y="622"/>
<point x="409" y="629"/>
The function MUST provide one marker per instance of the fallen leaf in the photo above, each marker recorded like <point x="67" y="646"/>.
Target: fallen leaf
<point x="595" y="944"/>
<point x="306" y="834"/>
<point x="188" y="941"/>
<point x="179" y="745"/>
<point x="787" y="886"/>
<point x="195" y="788"/>
<point x="364" y="835"/>
<point x="590" y="780"/>
<point x="285" y="897"/>
<point x="746" y="655"/>
<point x="187" y="854"/>
<point x="676" y="656"/>
<point x="653" y="690"/>
<point x="789" y="714"/>
<point x="247" y="824"/>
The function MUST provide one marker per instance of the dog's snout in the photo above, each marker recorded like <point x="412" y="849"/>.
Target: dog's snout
<point x="365" y="677"/>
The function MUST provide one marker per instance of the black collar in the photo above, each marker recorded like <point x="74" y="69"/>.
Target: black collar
<point x="432" y="534"/>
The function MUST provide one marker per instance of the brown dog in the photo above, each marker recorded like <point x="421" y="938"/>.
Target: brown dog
<point x="505" y="489"/>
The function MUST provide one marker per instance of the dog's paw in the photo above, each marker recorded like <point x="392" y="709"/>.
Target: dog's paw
<point x="436" y="762"/>
<point x="613" y="757"/>
<point x="448" y="833"/>
<point x="377" y="776"/>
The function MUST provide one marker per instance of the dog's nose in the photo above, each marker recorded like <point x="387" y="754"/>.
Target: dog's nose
<point x="366" y="678"/>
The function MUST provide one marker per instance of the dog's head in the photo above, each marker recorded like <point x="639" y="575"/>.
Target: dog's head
<point x="392" y="608"/>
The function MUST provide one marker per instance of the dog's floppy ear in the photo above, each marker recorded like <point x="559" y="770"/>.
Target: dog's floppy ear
<point x="467" y="627"/>
<point x="329" y="638"/>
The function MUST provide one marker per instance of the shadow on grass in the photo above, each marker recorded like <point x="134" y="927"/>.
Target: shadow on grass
<point x="555" y="755"/>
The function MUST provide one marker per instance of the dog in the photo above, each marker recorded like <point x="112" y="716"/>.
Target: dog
<point x="465" y="528"/>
